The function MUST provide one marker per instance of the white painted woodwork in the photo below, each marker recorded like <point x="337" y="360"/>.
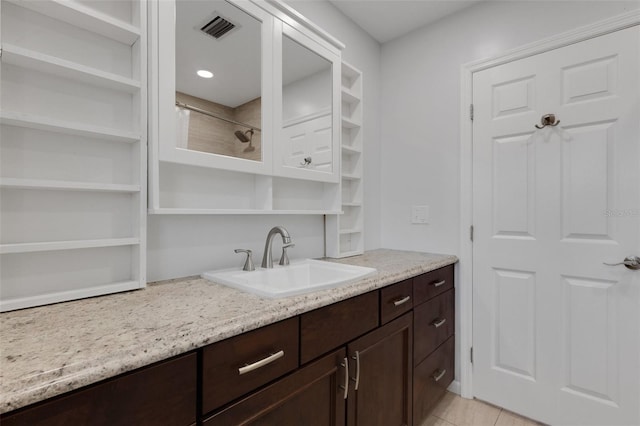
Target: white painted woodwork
<point x="345" y="232"/>
<point x="72" y="150"/>
<point x="557" y="332"/>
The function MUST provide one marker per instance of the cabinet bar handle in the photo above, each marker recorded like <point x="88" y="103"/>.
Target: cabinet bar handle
<point x="438" y="283"/>
<point x="345" y="364"/>
<point x="401" y="301"/>
<point x="357" y="379"/>
<point x="268" y="360"/>
<point x="438" y="375"/>
<point x="438" y="322"/>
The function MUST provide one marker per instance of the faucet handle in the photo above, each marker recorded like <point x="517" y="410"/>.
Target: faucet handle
<point x="248" y="264"/>
<point x="284" y="259"/>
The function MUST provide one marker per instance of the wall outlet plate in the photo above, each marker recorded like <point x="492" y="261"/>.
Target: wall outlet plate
<point x="420" y="214"/>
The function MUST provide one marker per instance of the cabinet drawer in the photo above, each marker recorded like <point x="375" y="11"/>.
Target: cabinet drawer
<point x="227" y="371"/>
<point x="431" y="378"/>
<point x="433" y="323"/>
<point x="309" y="396"/>
<point x="164" y="393"/>
<point x="395" y="300"/>
<point x="429" y="285"/>
<point x="331" y="326"/>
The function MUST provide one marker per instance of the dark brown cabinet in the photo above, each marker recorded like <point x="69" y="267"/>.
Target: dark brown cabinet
<point x="433" y="341"/>
<point x="236" y="366"/>
<point x="331" y="326"/>
<point x="311" y="396"/>
<point x="381" y="376"/>
<point x="381" y="358"/>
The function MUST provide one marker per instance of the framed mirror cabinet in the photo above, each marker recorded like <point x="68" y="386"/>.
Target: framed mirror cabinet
<point x="244" y="109"/>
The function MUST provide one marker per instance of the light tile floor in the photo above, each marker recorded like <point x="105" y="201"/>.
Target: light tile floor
<point x="453" y="410"/>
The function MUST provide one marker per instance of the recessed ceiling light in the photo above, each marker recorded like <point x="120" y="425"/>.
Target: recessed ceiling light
<point x="205" y="73"/>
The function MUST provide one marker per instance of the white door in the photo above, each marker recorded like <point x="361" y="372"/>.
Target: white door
<point x="556" y="333"/>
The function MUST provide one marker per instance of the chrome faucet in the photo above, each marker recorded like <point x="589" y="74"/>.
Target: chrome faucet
<point x="267" y="259"/>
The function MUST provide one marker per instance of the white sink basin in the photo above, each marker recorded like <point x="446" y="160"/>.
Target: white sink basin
<point x="299" y="277"/>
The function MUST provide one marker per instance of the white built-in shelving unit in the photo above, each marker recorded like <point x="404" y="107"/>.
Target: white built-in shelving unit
<point x="72" y="149"/>
<point x="344" y="232"/>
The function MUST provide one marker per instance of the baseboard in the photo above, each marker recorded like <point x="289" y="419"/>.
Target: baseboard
<point x="454" y="387"/>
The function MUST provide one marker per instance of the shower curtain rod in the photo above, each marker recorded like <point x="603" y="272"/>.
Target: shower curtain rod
<point x="219" y="117"/>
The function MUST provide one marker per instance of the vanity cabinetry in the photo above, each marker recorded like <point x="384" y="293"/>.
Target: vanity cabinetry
<point x="238" y="365"/>
<point x="381" y="365"/>
<point x="434" y="342"/>
<point x="164" y="393"/>
<point x="309" y="396"/>
<point x="378" y="358"/>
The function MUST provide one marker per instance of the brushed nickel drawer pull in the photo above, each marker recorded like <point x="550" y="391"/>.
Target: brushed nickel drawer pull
<point x="401" y="301"/>
<point x="268" y="360"/>
<point x="438" y="283"/>
<point x="438" y="375"/>
<point x="438" y="322"/>
<point x="345" y="364"/>
<point x="357" y="379"/>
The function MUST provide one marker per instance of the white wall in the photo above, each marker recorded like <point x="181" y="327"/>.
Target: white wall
<point x="420" y="109"/>
<point x="187" y="245"/>
<point x="420" y="106"/>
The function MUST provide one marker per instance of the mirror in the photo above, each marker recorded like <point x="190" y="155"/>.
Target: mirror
<point x="306" y="108"/>
<point x="218" y="79"/>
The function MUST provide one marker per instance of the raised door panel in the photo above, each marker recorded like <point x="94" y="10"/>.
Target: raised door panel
<point x="555" y="328"/>
<point x="381" y="376"/>
<point x="163" y="394"/>
<point x="311" y="397"/>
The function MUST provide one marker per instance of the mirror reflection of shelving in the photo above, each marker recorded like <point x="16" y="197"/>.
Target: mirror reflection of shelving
<point x="345" y="232"/>
<point x="72" y="150"/>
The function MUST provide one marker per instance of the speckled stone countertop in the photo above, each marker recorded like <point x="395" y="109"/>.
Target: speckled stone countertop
<point x="49" y="350"/>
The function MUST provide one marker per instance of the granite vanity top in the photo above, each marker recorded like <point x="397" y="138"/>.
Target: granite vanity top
<point x="49" y="350"/>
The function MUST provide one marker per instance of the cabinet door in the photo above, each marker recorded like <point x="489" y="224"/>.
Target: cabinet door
<point x="163" y="394"/>
<point x="381" y="376"/>
<point x="312" y="396"/>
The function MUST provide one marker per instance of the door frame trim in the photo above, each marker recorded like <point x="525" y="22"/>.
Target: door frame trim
<point x="464" y="273"/>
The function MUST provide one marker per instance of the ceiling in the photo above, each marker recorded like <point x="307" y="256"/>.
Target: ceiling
<point x="385" y="20"/>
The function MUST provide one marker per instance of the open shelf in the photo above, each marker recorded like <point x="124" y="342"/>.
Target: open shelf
<point x="70" y="128"/>
<point x="81" y="16"/>
<point x="176" y="211"/>
<point x="74" y="151"/>
<point x="349" y="96"/>
<point x="350" y="231"/>
<point x="66" y="245"/>
<point x="350" y="253"/>
<point x="44" y="299"/>
<point x="348" y="176"/>
<point x="66" y="185"/>
<point x="25" y="58"/>
<point x="349" y="150"/>
<point x="349" y="123"/>
<point x="345" y="234"/>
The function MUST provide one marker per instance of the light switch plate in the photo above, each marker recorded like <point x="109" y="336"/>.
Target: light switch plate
<point x="420" y="214"/>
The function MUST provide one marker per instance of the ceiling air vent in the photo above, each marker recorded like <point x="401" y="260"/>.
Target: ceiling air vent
<point x="218" y="27"/>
